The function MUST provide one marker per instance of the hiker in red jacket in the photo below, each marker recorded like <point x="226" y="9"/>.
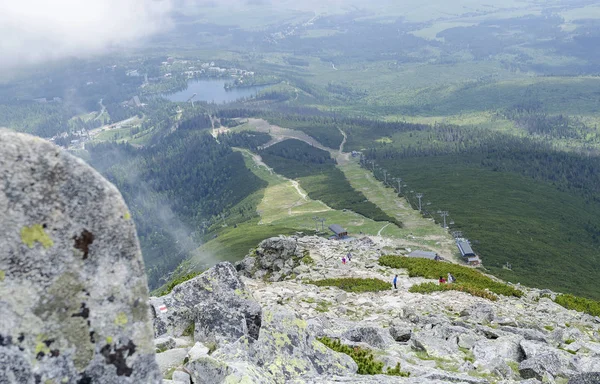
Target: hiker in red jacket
<point x="442" y="280"/>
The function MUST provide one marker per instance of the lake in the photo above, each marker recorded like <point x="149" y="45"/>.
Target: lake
<point x="213" y="91"/>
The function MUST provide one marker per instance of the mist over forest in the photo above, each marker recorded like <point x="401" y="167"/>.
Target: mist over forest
<point x="487" y="108"/>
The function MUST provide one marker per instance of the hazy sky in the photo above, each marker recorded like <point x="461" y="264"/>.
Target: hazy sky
<point x="36" y="30"/>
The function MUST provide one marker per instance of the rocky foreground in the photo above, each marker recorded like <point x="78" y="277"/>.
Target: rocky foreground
<point x="74" y="305"/>
<point x="258" y="322"/>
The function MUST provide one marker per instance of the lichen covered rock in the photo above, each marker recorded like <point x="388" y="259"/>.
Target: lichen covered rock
<point x="273" y="259"/>
<point x="73" y="293"/>
<point x="215" y="307"/>
<point x="283" y="351"/>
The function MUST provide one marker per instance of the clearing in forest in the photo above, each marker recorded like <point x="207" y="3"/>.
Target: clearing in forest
<point x="286" y="204"/>
<point x="418" y="232"/>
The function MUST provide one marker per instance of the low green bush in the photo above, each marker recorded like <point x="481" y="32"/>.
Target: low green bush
<point x="367" y="365"/>
<point x="189" y="330"/>
<point x="462" y="287"/>
<point x="307" y="259"/>
<point x="175" y="282"/>
<point x="581" y="304"/>
<point x="467" y="279"/>
<point x="351" y="284"/>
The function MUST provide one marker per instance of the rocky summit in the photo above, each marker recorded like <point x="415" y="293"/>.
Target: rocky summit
<point x="265" y="322"/>
<point x="74" y="306"/>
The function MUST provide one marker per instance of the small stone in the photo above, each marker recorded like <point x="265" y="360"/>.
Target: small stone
<point x="181" y="377"/>
<point x="466" y="340"/>
<point x="163" y="343"/>
<point x="585" y="378"/>
<point x="171" y="359"/>
<point x="480" y="313"/>
<point x="198" y="350"/>
<point x="342" y="297"/>
<point x="400" y="333"/>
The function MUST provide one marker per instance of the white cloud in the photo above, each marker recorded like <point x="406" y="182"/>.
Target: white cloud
<point x="32" y="31"/>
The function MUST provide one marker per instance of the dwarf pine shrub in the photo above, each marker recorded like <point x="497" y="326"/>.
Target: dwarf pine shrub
<point x="367" y="365"/>
<point x="581" y="304"/>
<point x="354" y="284"/>
<point x="467" y="279"/>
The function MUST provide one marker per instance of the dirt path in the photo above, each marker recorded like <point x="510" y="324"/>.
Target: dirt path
<point x="259" y="161"/>
<point x="384" y="227"/>
<point x="281" y="194"/>
<point x="280" y="134"/>
<point x="374" y="190"/>
<point x="297" y="186"/>
<point x="343" y="141"/>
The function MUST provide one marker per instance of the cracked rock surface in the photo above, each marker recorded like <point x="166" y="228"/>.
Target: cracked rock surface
<point x="443" y="337"/>
<point x="73" y="292"/>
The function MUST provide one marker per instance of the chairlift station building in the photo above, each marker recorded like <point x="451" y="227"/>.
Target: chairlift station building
<point x="467" y="252"/>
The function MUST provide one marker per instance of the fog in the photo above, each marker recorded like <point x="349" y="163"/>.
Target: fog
<point x="34" y="31"/>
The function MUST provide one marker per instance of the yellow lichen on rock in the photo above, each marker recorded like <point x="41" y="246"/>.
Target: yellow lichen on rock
<point x="121" y="319"/>
<point x="29" y="235"/>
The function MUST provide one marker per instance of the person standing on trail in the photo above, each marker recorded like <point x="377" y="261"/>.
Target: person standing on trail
<point x="344" y="260"/>
<point x="349" y="256"/>
<point x="395" y="281"/>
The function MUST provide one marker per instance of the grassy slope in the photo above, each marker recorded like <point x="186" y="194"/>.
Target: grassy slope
<point x="322" y="181"/>
<point x="420" y="231"/>
<point x="282" y="210"/>
<point x="537" y="228"/>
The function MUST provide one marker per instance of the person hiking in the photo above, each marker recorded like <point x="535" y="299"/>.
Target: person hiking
<point x="349" y="256"/>
<point x="442" y="280"/>
<point x="344" y="260"/>
<point x="395" y="281"/>
<point x="451" y="278"/>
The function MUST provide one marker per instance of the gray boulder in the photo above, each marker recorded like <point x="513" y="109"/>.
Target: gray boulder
<point x="434" y="347"/>
<point x="479" y="313"/>
<point x="447" y="377"/>
<point x="206" y="302"/>
<point x="467" y="340"/>
<point x="535" y="367"/>
<point x="197" y="351"/>
<point x="275" y="249"/>
<point x="527" y="333"/>
<point x="283" y="351"/>
<point x="505" y="348"/>
<point x="181" y="377"/>
<point x="208" y="370"/>
<point x="73" y="291"/>
<point x="585" y="378"/>
<point x="286" y="350"/>
<point x="374" y="336"/>
<point x="219" y="322"/>
<point x="409" y="314"/>
<point x="587" y="364"/>
<point x="400" y="332"/>
<point x="164" y="343"/>
<point x="247" y="266"/>
<point x="275" y="257"/>
<point x="172" y="358"/>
